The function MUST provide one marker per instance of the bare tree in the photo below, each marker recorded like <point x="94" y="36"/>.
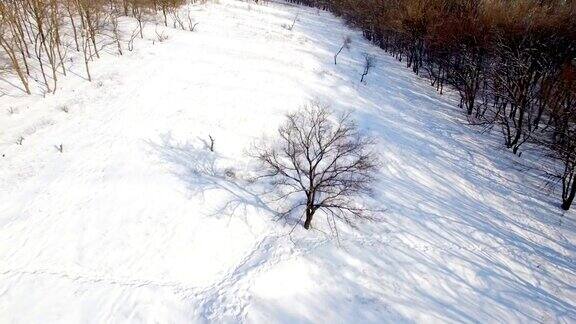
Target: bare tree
<point x="320" y="163"/>
<point x="139" y="14"/>
<point x="369" y="63"/>
<point x="177" y="19"/>
<point x="290" y="27"/>
<point x="191" y="23"/>
<point x="116" y="33"/>
<point x="160" y="36"/>
<point x="132" y="38"/>
<point x="9" y="46"/>
<point x="568" y="176"/>
<point x="345" y="45"/>
<point x="211" y="144"/>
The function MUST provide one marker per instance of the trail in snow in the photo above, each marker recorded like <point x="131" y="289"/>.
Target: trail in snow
<point x="136" y="221"/>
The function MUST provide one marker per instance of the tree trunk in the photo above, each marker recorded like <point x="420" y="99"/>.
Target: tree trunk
<point x="308" y="221"/>
<point x="568" y="201"/>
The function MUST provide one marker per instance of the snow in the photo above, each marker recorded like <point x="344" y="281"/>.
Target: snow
<point x="135" y="221"/>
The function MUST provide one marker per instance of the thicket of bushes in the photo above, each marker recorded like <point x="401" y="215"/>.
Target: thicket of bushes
<point x="513" y="63"/>
<point x="36" y="36"/>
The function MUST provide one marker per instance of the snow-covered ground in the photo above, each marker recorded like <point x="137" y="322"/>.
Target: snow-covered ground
<point x="135" y="221"/>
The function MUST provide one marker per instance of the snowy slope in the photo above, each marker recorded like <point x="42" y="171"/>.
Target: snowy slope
<point x="135" y="221"/>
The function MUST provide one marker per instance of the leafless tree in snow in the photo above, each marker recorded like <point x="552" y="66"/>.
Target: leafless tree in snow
<point x="369" y="63"/>
<point x="320" y="163"/>
<point x="345" y="45"/>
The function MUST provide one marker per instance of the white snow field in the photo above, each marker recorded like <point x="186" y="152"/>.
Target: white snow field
<point x="135" y="221"/>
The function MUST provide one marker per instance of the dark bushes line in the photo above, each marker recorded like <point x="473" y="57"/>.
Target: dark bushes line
<point x="513" y="63"/>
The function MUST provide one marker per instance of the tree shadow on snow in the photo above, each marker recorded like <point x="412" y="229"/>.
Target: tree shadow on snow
<point x="203" y="171"/>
